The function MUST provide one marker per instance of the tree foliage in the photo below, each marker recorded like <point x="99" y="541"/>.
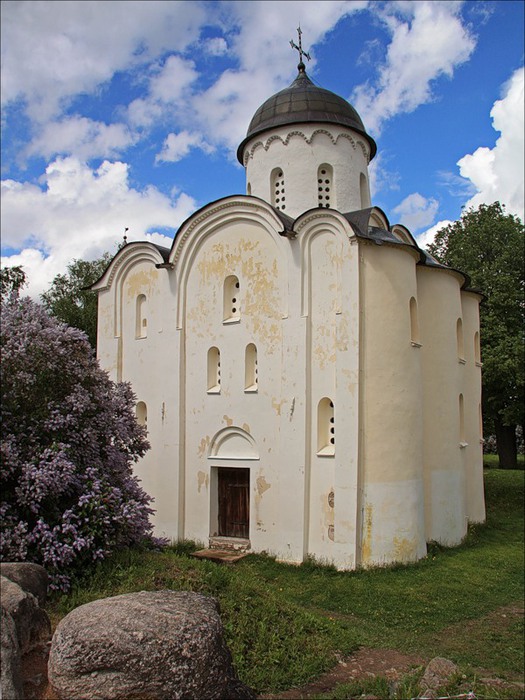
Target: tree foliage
<point x="69" y="439"/>
<point x="68" y="299"/>
<point x="12" y="281"/>
<point x="488" y="245"/>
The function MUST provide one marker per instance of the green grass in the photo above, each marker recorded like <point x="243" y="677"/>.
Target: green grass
<point x="285" y="624"/>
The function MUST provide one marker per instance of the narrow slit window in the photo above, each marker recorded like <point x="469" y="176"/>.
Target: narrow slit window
<point x="477" y="348"/>
<point x="277" y="189"/>
<point x="231" y="310"/>
<point x="414" y="323"/>
<point x="459" y="337"/>
<point x="251" y="378"/>
<point x="141" y="411"/>
<point x="325" y="176"/>
<point x="325" y="427"/>
<point x="141" y="323"/>
<point x="364" y="191"/>
<point x="461" y="421"/>
<point x="214" y="371"/>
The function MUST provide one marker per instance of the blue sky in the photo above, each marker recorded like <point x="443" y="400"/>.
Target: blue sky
<point x="128" y="114"/>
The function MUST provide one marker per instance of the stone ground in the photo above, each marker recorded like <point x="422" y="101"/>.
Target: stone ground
<point x="365" y="663"/>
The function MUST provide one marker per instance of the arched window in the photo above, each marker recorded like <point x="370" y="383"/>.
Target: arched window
<point x="364" y="191"/>
<point x="251" y="378"/>
<point x="141" y="321"/>
<point x="459" y="338"/>
<point x="477" y="348"/>
<point x="414" y="323"/>
<point x="248" y="189"/>
<point x="141" y="411"/>
<point x="277" y="189"/>
<point x="325" y="176"/>
<point x="231" y="311"/>
<point x="214" y="370"/>
<point x="461" y="421"/>
<point x="325" y="427"/>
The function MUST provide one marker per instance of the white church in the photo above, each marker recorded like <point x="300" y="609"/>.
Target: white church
<point x="310" y="378"/>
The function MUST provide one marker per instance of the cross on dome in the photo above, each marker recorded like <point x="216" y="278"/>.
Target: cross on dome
<point x="299" y="48"/>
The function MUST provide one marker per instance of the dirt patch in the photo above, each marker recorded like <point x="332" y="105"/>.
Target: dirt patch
<point x="364" y="663"/>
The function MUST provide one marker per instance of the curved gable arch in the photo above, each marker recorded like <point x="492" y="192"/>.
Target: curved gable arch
<point x="126" y="259"/>
<point x="233" y="443"/>
<point x="211" y="219"/>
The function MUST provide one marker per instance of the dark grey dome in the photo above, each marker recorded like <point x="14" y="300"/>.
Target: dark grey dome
<point x="304" y="102"/>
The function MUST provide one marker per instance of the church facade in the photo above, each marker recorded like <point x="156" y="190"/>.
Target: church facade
<point x="310" y="378"/>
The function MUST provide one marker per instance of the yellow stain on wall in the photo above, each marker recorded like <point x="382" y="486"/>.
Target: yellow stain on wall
<point x="227" y="420"/>
<point x="367" y="534"/>
<point x="404" y="549"/>
<point x="202" y="479"/>
<point x="203" y="446"/>
<point x="262" y="485"/>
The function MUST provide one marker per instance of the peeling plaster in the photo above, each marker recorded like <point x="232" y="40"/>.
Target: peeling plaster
<point x="202" y="479"/>
<point x="203" y="446"/>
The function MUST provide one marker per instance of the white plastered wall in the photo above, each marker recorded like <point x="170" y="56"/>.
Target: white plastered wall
<point x="330" y="305"/>
<point x="439" y="301"/>
<point x="143" y="362"/>
<point x="475" y="496"/>
<point x="391" y="455"/>
<point x="242" y="241"/>
<point x="299" y="150"/>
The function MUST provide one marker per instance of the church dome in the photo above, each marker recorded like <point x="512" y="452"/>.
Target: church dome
<point x="304" y="102"/>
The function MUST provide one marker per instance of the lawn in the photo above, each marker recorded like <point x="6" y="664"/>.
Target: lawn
<point x="286" y="624"/>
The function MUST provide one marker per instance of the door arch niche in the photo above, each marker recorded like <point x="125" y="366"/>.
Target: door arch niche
<point x="231" y="451"/>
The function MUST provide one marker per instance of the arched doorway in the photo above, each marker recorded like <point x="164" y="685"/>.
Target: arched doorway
<point x="231" y="451"/>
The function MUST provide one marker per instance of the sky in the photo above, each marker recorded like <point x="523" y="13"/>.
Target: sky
<point x="127" y="114"/>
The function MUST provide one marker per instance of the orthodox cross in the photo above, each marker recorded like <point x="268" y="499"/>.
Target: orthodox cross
<point x="300" y="47"/>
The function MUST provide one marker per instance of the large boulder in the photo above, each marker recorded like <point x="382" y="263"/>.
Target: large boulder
<point x="33" y="627"/>
<point x="437" y="674"/>
<point x="10" y="679"/>
<point x="30" y="577"/>
<point x="155" y="645"/>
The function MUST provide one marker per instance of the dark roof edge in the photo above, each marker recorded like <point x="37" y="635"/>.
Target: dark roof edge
<point x="160" y="248"/>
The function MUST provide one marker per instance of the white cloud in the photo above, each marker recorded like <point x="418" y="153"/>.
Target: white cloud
<point x="80" y="214"/>
<point x="417" y="211"/>
<point x="260" y="39"/>
<point x="83" y="137"/>
<point x="427" y="237"/>
<point x="177" y="146"/>
<point x="52" y="51"/>
<point x="216" y="46"/>
<point x="498" y="173"/>
<point x="176" y="76"/>
<point x="428" y="41"/>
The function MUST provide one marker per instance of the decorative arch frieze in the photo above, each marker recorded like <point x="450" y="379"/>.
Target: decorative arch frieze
<point x="308" y="139"/>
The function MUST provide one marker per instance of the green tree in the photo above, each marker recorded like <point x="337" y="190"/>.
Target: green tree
<point x="488" y="244"/>
<point x="12" y="280"/>
<point x="68" y="299"/>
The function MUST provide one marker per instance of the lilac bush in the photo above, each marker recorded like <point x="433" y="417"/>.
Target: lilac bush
<point x="69" y="439"/>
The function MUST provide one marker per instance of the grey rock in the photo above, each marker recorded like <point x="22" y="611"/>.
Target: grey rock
<point x="33" y="628"/>
<point x="158" y="645"/>
<point x="30" y="577"/>
<point x="10" y="678"/>
<point x="438" y="673"/>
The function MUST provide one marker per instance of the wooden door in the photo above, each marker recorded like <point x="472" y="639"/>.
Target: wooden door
<point x="234" y="502"/>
